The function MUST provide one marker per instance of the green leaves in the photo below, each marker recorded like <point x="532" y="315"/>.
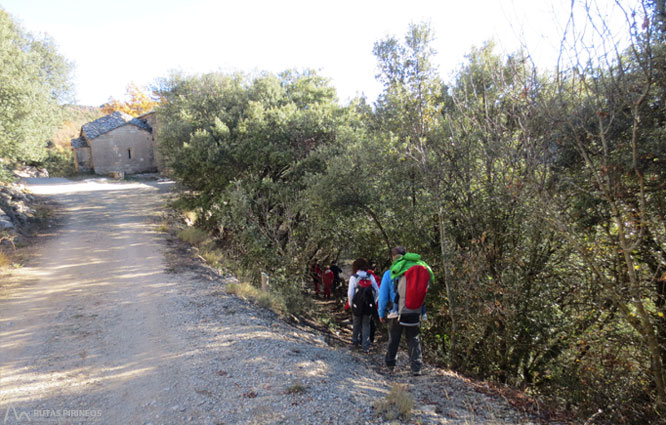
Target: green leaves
<point x="246" y="147"/>
<point x="34" y="78"/>
<point x="539" y="204"/>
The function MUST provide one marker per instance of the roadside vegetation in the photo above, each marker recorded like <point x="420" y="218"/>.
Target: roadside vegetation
<point x="34" y="82"/>
<point x="537" y="196"/>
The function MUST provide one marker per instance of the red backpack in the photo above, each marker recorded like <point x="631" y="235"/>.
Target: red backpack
<point x="411" y="289"/>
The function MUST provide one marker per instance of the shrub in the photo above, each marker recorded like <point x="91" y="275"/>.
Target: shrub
<point x="59" y="162"/>
<point x="397" y="404"/>
<point x="295" y="388"/>
<point x="214" y="257"/>
<point x="6" y="174"/>
<point x="193" y="236"/>
<point x="291" y="294"/>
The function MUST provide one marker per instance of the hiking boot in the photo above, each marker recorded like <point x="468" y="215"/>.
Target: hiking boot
<point x="392" y="315"/>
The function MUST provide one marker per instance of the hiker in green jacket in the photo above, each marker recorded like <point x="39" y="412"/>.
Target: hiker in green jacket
<point x="405" y="313"/>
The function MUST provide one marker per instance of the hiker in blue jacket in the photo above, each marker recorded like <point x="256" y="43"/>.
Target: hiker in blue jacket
<point x="387" y="299"/>
<point x="386" y="295"/>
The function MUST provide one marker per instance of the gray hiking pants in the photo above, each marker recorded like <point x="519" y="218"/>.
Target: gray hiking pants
<point x="413" y="344"/>
<point x="362" y="327"/>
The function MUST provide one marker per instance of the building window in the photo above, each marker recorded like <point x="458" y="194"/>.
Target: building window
<point x="129" y="153"/>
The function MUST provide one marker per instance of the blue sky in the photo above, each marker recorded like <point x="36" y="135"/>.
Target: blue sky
<point x="114" y="43"/>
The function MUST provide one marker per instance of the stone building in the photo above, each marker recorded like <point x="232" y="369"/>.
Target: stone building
<point x="117" y="142"/>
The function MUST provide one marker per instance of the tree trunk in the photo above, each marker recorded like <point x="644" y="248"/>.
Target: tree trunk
<point x="379" y="225"/>
<point x="449" y="291"/>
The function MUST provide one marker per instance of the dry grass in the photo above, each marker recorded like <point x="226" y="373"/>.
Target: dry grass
<point x="295" y="388"/>
<point x="43" y="212"/>
<point x="8" y="237"/>
<point x="397" y="404"/>
<point x="193" y="236"/>
<point x="5" y="260"/>
<point x="265" y="299"/>
<point x="214" y="257"/>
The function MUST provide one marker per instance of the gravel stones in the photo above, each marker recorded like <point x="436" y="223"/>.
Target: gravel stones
<point x="261" y="369"/>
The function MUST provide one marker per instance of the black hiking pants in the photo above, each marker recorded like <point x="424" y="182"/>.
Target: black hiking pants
<point x="413" y="344"/>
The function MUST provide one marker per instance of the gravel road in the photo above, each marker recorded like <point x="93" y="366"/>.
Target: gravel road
<point x="100" y="328"/>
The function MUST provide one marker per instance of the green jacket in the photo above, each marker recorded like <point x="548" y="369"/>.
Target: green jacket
<point x="402" y="264"/>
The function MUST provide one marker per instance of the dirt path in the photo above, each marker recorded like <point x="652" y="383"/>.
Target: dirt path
<point x="98" y="329"/>
<point x="81" y="328"/>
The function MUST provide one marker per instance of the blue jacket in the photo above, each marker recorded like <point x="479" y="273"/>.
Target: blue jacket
<point x="386" y="293"/>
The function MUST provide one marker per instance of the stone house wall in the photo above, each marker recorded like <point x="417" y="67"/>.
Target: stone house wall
<point x="128" y="149"/>
<point x="150" y="118"/>
<point x="83" y="160"/>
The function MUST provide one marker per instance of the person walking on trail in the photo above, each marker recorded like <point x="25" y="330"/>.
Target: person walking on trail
<point x="404" y="285"/>
<point x="328" y="277"/>
<point x="362" y="298"/>
<point x="337" y="279"/>
<point x="316" y="275"/>
<point x="374" y="323"/>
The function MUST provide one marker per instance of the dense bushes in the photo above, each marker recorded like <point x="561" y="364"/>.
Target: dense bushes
<point x="537" y="198"/>
<point x="246" y="149"/>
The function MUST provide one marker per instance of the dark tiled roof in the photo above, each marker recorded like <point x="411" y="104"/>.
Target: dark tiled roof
<point x="151" y="112"/>
<point x="79" y="143"/>
<point x="111" y="122"/>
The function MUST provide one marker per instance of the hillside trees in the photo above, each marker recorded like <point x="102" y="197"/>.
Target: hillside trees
<point x="34" y="79"/>
<point x="361" y="190"/>
<point x="246" y="147"/>
<point x="505" y="260"/>
<point x="537" y="198"/>
<point x="408" y="117"/>
<point x="532" y="180"/>
<point x="606" y="198"/>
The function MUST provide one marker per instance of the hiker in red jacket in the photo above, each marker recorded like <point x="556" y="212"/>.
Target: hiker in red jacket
<point x="315" y="274"/>
<point x="328" y="282"/>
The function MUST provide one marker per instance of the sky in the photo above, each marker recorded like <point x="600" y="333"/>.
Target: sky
<point x="112" y="44"/>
